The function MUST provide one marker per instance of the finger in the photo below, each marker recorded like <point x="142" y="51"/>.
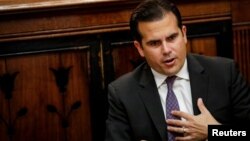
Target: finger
<point x="182" y="115"/>
<point x="175" y="122"/>
<point x="183" y="138"/>
<point x="201" y="106"/>
<point x="176" y="129"/>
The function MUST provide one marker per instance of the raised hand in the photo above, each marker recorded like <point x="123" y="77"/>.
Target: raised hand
<point x="193" y="127"/>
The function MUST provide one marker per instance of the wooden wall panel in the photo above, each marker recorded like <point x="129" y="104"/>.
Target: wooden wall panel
<point x="35" y="88"/>
<point x="240" y="11"/>
<point x="203" y="45"/>
<point x="125" y="58"/>
<point x="242" y="49"/>
<point x="4" y="105"/>
<point x="62" y="18"/>
<point x="241" y="35"/>
<point x="194" y="11"/>
<point x="60" y="22"/>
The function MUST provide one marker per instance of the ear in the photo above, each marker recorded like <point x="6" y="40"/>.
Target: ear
<point x="184" y="32"/>
<point x="139" y="48"/>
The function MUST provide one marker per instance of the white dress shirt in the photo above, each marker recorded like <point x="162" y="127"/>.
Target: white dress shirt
<point x="181" y="88"/>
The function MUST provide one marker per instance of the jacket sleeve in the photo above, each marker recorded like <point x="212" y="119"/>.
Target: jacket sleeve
<point x="117" y="126"/>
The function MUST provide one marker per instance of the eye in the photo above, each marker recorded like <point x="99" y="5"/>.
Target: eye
<point x="154" y="43"/>
<point x="172" y="37"/>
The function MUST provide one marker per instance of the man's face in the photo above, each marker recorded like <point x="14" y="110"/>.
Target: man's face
<point x="163" y="44"/>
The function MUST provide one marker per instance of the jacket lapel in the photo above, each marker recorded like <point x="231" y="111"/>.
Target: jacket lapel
<point x="151" y="99"/>
<point x="198" y="81"/>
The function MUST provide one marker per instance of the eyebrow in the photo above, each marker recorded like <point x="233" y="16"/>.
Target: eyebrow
<point x="175" y="34"/>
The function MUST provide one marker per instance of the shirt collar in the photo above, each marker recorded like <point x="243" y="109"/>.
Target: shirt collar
<point x="160" y="78"/>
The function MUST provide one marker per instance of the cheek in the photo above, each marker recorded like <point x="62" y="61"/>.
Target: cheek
<point x="180" y="50"/>
<point x="151" y="55"/>
<point x="182" y="46"/>
<point x="183" y="52"/>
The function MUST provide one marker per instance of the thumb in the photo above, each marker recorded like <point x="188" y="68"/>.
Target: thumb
<point x="201" y="106"/>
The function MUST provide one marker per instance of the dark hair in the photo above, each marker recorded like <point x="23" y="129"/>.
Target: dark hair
<point x="152" y="10"/>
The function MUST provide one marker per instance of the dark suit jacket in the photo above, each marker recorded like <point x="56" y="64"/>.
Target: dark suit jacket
<point x="135" y="111"/>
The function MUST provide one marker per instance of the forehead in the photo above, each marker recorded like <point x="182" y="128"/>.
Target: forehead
<point x="166" y="25"/>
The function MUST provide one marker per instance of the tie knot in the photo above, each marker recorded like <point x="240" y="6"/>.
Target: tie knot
<point x="170" y="81"/>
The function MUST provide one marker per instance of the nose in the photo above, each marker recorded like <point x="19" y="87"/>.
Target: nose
<point x="166" y="49"/>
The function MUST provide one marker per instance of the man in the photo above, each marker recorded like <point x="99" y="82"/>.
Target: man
<point x="207" y="90"/>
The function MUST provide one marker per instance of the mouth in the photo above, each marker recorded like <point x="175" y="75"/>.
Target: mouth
<point x="169" y="61"/>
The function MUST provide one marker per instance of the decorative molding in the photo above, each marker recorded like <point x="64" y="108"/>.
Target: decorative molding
<point x="39" y="20"/>
<point x="33" y="7"/>
<point x="64" y="32"/>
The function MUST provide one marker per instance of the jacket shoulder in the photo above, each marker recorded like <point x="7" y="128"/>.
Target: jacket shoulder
<point x="130" y="78"/>
<point x="212" y="62"/>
